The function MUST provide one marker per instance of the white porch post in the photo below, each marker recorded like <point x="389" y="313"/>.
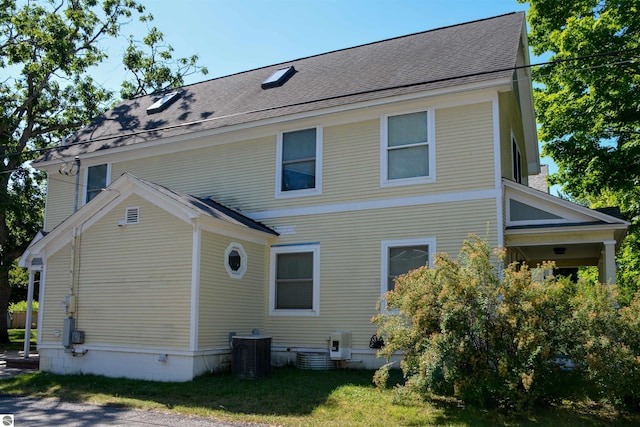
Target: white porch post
<point x="608" y="262"/>
<point x="27" y="326"/>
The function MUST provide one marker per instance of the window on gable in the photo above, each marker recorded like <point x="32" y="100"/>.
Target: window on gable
<point x="294" y="284"/>
<point x="299" y="163"/>
<point x="517" y="161"/>
<point x="97" y="178"/>
<point x="406" y="149"/>
<point x="401" y="256"/>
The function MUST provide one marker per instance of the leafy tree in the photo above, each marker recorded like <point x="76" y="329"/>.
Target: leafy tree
<point x="19" y="281"/>
<point x="153" y="67"/>
<point x="47" y="51"/>
<point x="588" y="106"/>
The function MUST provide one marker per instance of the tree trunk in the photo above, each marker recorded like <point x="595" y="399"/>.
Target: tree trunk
<point x="5" y="291"/>
<point x="6" y="252"/>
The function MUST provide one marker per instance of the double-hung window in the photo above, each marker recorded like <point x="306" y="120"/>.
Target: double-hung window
<point x="299" y="163"/>
<point x="96" y="178"/>
<point x="401" y="256"/>
<point x="407" y="149"/>
<point x="294" y="282"/>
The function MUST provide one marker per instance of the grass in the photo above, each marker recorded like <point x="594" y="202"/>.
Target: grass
<point x="292" y="397"/>
<point x="16" y="336"/>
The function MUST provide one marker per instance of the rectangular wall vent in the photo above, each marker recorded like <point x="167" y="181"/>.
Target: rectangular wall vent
<point x="132" y="216"/>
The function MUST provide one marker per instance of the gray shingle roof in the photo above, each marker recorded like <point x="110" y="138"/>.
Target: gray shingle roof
<point x="209" y="207"/>
<point x="467" y="53"/>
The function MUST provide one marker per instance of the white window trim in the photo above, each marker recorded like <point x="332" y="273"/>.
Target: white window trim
<point x="86" y="180"/>
<point x="307" y="191"/>
<point x="384" y="159"/>
<point x="275" y="250"/>
<point x="233" y="246"/>
<point x="384" y="258"/>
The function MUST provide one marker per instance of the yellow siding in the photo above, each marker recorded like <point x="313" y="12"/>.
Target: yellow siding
<point x="351" y="160"/>
<point x="56" y="286"/>
<point x="465" y="149"/>
<point x="227" y="304"/>
<point x="241" y="174"/>
<point x="350" y="253"/>
<point x="60" y="191"/>
<point x="135" y="281"/>
<point x="133" y="293"/>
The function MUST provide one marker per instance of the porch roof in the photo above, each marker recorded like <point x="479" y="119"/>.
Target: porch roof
<point x="541" y="227"/>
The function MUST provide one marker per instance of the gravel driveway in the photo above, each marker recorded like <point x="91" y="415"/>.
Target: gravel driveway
<point x="29" y="411"/>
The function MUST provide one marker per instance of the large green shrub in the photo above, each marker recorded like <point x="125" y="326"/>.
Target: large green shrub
<point x="607" y="347"/>
<point x="493" y="336"/>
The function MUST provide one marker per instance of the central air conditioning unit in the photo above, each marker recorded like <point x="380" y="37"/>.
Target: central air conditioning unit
<point x="251" y="356"/>
<point x="340" y="345"/>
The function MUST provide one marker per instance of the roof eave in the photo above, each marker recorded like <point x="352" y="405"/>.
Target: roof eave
<point x="567" y="204"/>
<point x="498" y="84"/>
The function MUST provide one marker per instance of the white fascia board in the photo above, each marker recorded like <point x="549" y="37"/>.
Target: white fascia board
<point x="463" y="196"/>
<point x="63" y="232"/>
<point x="234" y="231"/>
<point x="531" y="193"/>
<point x="579" y="228"/>
<point x="26" y="256"/>
<point x="123" y="187"/>
<point x="163" y="145"/>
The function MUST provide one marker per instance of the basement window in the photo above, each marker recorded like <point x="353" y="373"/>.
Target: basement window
<point x="278" y="78"/>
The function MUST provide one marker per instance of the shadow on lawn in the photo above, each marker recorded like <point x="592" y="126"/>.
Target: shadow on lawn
<point x="287" y="391"/>
<point x="297" y="393"/>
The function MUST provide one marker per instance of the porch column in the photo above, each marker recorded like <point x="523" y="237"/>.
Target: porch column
<point x="27" y="326"/>
<point x="608" y="262"/>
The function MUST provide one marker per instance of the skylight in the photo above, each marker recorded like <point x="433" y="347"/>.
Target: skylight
<point x="278" y="78"/>
<point x="162" y="103"/>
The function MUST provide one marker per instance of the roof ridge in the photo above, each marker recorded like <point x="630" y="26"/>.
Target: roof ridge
<point x="290" y="61"/>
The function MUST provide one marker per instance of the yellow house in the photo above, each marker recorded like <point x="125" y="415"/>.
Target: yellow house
<point x="283" y="201"/>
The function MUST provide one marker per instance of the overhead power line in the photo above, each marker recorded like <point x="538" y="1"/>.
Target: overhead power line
<point x="330" y="98"/>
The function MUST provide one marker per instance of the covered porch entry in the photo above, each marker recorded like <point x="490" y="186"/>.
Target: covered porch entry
<point x="540" y="227"/>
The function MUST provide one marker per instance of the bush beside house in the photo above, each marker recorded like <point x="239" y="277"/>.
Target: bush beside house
<point x="500" y="338"/>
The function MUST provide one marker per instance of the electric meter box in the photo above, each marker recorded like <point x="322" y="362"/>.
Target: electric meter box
<point x="340" y="345"/>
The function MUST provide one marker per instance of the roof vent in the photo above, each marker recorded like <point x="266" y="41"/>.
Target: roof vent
<point x="278" y="78"/>
<point x="162" y="103"/>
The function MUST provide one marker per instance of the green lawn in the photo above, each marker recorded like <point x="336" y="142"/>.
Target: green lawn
<point x="16" y="336"/>
<point x="292" y="397"/>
